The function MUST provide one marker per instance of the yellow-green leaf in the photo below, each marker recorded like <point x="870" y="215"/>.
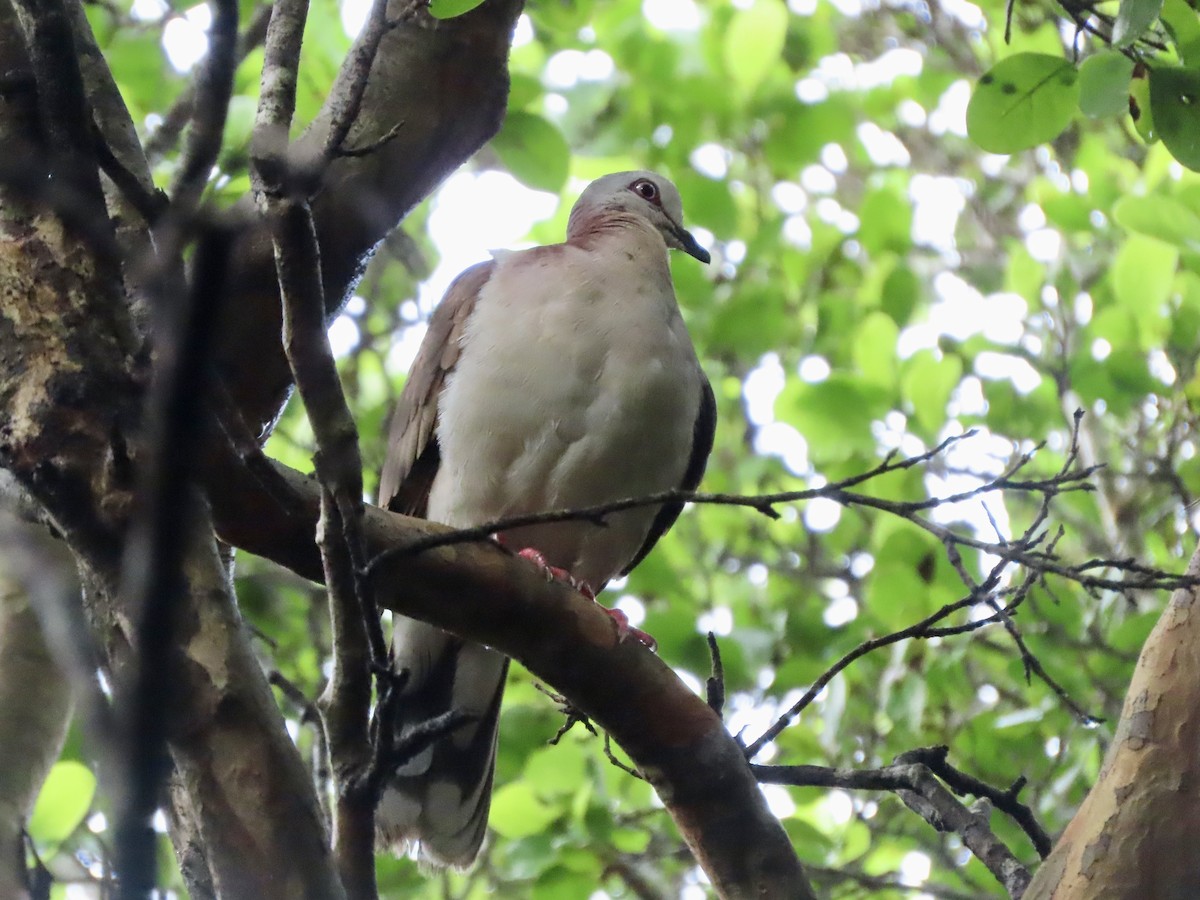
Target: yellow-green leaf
<point x="534" y="150"/>
<point x="1024" y="100"/>
<point x="64" y="800"/>
<point x="1133" y="18"/>
<point x="754" y="42"/>
<point x="448" y="9"/>
<point x="518" y="812"/>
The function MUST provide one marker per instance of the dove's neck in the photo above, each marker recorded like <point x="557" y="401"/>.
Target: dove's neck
<point x="628" y="238"/>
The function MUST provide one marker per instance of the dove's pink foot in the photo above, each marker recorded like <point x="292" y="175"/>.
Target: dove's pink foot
<point x="624" y="629"/>
<point x="554" y="573"/>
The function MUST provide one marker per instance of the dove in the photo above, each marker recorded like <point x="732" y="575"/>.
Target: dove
<point x="556" y="377"/>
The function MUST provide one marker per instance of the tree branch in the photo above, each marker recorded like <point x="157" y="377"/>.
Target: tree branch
<point x="447" y="81"/>
<point x="673" y="737"/>
<point x="214" y="85"/>
<point x="358" y="642"/>
<point x="916" y="785"/>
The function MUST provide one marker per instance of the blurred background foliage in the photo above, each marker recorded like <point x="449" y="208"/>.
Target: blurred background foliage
<point x="879" y="283"/>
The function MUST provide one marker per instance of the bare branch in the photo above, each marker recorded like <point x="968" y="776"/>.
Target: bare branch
<point x="214" y="86"/>
<point x="937" y="759"/>
<point x="878" y="884"/>
<point x="164" y="137"/>
<point x="988" y="591"/>
<point x="358" y="642"/>
<point x="917" y="786"/>
<point x="345" y="703"/>
<point x="357" y="71"/>
<point x="715" y="685"/>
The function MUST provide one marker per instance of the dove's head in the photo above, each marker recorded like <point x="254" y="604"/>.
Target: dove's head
<point x="643" y="194"/>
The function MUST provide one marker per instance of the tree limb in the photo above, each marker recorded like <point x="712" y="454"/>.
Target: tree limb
<point x="447" y="80"/>
<point x="675" y="739"/>
<point x="915" y="784"/>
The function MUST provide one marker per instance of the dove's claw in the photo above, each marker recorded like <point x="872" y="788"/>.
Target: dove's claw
<point x="625" y="630"/>
<point x="554" y="573"/>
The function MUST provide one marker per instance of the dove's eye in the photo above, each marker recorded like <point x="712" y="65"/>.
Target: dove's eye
<point x="647" y="190"/>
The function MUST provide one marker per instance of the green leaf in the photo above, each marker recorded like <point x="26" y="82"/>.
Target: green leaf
<point x="523" y="90"/>
<point x="885" y="221"/>
<point x="558" y="769"/>
<point x="1160" y="216"/>
<point x="1104" y="84"/>
<point x="140" y="69"/>
<point x="630" y="840"/>
<point x="833" y="415"/>
<point x="901" y="292"/>
<point x="1133" y="18"/>
<point x="1023" y="275"/>
<point x="927" y="383"/>
<point x="239" y="124"/>
<point x="518" y="812"/>
<point x="1143" y="272"/>
<point x="874" y="349"/>
<point x="796" y="138"/>
<point x="1023" y="101"/>
<point x="1140" y="109"/>
<point x="64" y="800"/>
<point x="448" y="9"/>
<point x="1185" y="317"/>
<point x="534" y="151"/>
<point x="754" y="42"/>
<point x="1175" y="102"/>
<point x="560" y="882"/>
<point x="1128" y="370"/>
<point x="1184" y="28"/>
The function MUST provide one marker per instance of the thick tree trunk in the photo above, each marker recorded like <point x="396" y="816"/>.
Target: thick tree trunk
<point x="1134" y="837"/>
<point x="68" y="410"/>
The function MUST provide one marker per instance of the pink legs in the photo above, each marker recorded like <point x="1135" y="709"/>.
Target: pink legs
<point x="624" y="629"/>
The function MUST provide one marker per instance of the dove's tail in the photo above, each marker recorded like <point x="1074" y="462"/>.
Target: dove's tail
<point x="438" y="801"/>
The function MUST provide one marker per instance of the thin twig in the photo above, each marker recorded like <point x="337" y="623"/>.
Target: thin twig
<point x="214" y="87"/>
<point x="920" y="790"/>
<point x="356" y="72"/>
<point x="937" y="759"/>
<point x="371" y="146"/>
<point x="574" y="716"/>
<point x="150" y="205"/>
<point x="612" y="758"/>
<point x="714" y="687"/>
<point x="414" y="741"/>
<point x="885" y="885"/>
<point x="164" y="137"/>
